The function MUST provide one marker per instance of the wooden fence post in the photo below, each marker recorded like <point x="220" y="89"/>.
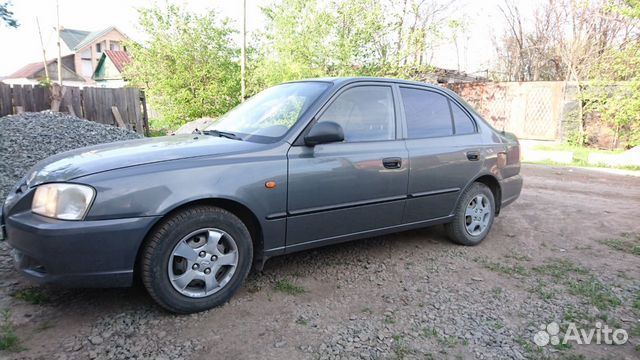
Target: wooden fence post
<point x="6" y="107"/>
<point x="145" y="115"/>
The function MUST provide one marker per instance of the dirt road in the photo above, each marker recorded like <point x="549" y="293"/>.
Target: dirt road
<point x="568" y="251"/>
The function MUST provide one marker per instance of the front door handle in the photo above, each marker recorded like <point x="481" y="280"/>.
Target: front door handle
<point x="392" y="163"/>
<point x="473" y="155"/>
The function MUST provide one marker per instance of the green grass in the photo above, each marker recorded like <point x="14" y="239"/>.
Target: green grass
<point x="541" y="290"/>
<point x="400" y="347"/>
<point x="580" y="156"/>
<point x="560" y="269"/>
<point x="445" y="341"/>
<point x="636" y="301"/>
<point x="32" y="295"/>
<point x="579" y="282"/>
<point x="285" y="286"/>
<point x="507" y="269"/>
<point x="630" y="243"/>
<point x="580" y="152"/>
<point x="9" y="341"/>
<point x="595" y="292"/>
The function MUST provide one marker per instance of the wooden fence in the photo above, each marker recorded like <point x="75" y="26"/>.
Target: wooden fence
<point x="121" y="107"/>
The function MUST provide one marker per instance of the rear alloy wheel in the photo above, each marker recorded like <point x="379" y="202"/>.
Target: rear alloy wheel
<point x="473" y="216"/>
<point x="196" y="259"/>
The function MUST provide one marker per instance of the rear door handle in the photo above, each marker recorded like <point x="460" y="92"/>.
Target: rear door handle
<point x="392" y="162"/>
<point x="473" y="155"/>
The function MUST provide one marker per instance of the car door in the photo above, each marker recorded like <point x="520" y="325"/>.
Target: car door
<point x="351" y="187"/>
<point x="444" y="150"/>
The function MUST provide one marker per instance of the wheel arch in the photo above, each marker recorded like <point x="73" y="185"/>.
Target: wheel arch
<point x="494" y="185"/>
<point x="238" y="209"/>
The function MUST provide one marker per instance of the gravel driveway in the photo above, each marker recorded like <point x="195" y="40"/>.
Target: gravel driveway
<point x="567" y="251"/>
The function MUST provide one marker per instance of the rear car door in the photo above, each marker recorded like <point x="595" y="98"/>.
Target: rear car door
<point x="444" y="150"/>
<point x="358" y="185"/>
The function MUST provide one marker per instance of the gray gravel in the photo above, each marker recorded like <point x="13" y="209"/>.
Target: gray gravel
<point x="28" y="138"/>
<point x="412" y="295"/>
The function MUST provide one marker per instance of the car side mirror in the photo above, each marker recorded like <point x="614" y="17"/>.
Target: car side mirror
<point x="324" y="132"/>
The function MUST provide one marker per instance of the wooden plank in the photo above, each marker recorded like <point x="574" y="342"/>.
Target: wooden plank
<point x="40" y="98"/>
<point x="76" y="101"/>
<point x="120" y="102"/>
<point x="107" y="104"/>
<point x="66" y="100"/>
<point x="6" y="105"/>
<point x="117" y="117"/>
<point x="46" y="98"/>
<point x="29" y="101"/>
<point x="70" y="109"/>
<point x="17" y="97"/>
<point x="87" y="104"/>
<point x="137" y="109"/>
<point x="145" y="114"/>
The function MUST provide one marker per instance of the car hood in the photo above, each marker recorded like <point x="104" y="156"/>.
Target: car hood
<point x="94" y="159"/>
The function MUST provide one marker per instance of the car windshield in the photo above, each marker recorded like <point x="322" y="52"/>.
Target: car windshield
<point x="267" y="116"/>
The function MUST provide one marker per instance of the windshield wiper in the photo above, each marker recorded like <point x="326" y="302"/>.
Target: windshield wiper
<point x="226" y="134"/>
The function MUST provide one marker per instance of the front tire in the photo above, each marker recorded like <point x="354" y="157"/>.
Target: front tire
<point x="196" y="259"/>
<point x="473" y="216"/>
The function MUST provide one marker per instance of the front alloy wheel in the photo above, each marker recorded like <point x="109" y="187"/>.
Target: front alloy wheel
<point x="203" y="262"/>
<point x="196" y="259"/>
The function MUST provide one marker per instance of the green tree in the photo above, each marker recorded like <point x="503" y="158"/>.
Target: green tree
<point x="6" y="15"/>
<point x="310" y="38"/>
<point x="614" y="92"/>
<point x="189" y="65"/>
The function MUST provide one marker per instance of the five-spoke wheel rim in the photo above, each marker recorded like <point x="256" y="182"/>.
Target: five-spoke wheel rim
<point x="477" y="215"/>
<point x="203" y="262"/>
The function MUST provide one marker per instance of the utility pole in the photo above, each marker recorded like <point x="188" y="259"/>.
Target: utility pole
<point x="44" y="54"/>
<point x="59" y="49"/>
<point x="243" y="51"/>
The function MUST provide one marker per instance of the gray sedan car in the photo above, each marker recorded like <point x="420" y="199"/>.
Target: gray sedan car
<point x="300" y="165"/>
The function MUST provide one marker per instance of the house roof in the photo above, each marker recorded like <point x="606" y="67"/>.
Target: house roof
<point x="73" y="37"/>
<point x="119" y="58"/>
<point x="29" y="70"/>
<point x="91" y="37"/>
<point x="36" y="70"/>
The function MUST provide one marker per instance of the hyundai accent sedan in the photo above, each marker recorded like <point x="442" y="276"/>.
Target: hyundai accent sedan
<point x="299" y="165"/>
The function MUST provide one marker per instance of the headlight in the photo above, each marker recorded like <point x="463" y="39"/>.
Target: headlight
<point x="62" y="201"/>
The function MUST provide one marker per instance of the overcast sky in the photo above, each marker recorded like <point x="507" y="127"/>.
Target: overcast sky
<point x="21" y="46"/>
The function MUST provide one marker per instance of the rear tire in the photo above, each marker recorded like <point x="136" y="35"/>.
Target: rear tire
<point x="473" y="216"/>
<point x="196" y="259"/>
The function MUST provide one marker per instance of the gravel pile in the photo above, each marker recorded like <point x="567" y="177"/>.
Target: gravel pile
<point x="28" y="138"/>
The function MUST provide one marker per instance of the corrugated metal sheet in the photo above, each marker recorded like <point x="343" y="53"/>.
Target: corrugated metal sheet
<point x="119" y="58"/>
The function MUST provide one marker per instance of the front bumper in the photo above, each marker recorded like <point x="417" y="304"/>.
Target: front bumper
<point x="99" y="253"/>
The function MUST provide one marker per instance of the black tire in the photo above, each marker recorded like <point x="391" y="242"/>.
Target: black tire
<point x="457" y="229"/>
<point x="161" y="242"/>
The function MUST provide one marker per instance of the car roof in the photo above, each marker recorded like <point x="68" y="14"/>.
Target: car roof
<point x="346" y="80"/>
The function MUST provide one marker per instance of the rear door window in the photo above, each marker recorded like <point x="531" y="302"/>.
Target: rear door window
<point x="427" y="113"/>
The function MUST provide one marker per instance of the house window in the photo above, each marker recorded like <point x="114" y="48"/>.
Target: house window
<point x="114" y="45"/>
<point x="99" y="47"/>
<point x="87" y="67"/>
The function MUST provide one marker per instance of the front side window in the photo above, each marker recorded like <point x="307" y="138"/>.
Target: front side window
<point x="365" y="113"/>
<point x="267" y="116"/>
<point x="427" y="113"/>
